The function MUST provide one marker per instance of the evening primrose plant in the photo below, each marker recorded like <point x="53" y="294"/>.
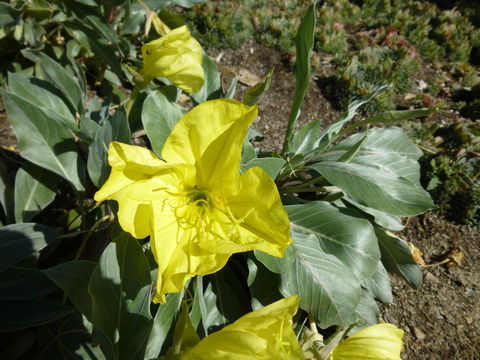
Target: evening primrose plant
<point x="141" y="230"/>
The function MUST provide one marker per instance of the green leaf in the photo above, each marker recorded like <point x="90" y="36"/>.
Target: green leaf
<point x="263" y="284"/>
<point x="387" y="221"/>
<point x="304" y="45"/>
<point x="44" y="141"/>
<point x="73" y="278"/>
<point x="162" y="324"/>
<point x="67" y="339"/>
<point x="184" y="335"/>
<point x="17" y="315"/>
<point x="389" y="148"/>
<point x="305" y="139"/>
<point x="54" y="73"/>
<point x="351" y="239"/>
<point x="34" y="190"/>
<point x="6" y="193"/>
<point x="230" y="93"/>
<point x="159" y="116"/>
<point x="8" y="14"/>
<point x="367" y="311"/>
<point x="378" y="285"/>
<point x="43" y="95"/>
<point x="271" y="165"/>
<point x="19" y="241"/>
<point x="120" y="290"/>
<point x="397" y="258"/>
<point x="253" y="95"/>
<point x="212" y="86"/>
<point x="391" y="117"/>
<point x="114" y="128"/>
<point x="18" y="283"/>
<point x="332" y="132"/>
<point x="328" y="289"/>
<point x="225" y="299"/>
<point x="374" y="187"/>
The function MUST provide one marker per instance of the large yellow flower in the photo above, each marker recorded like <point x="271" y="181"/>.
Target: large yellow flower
<point x="194" y="204"/>
<point x="176" y="56"/>
<point x="264" y="334"/>
<point x="376" y="342"/>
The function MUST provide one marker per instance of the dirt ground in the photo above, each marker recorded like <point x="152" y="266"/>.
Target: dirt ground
<point x="442" y="319"/>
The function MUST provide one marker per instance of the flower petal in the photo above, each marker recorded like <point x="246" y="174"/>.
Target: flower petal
<point x="381" y="342"/>
<point x="176" y="56"/>
<point x="175" y="248"/>
<point x="137" y="178"/>
<point x="264" y="334"/>
<point x="263" y="222"/>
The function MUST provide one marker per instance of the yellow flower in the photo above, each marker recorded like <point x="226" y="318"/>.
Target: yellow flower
<point x="264" y="334"/>
<point x="176" y="56"/>
<point x="381" y="342"/>
<point x="194" y="204"/>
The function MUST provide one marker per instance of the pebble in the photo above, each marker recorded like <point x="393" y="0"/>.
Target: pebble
<point x="430" y="277"/>
<point x="419" y="334"/>
<point x="470" y="292"/>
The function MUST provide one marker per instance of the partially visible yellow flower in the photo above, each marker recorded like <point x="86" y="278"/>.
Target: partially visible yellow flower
<point x="264" y="334"/>
<point x="376" y="342"/>
<point x="195" y="205"/>
<point x="176" y="56"/>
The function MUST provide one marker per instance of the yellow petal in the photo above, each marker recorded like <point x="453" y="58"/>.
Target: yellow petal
<point x="210" y="137"/>
<point x="381" y="342"/>
<point x="264" y="222"/>
<point x="176" y="56"/>
<point x="264" y="334"/>
<point x="175" y="248"/>
<point x="137" y="178"/>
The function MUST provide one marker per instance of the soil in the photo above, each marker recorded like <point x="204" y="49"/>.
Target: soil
<point x="441" y="319"/>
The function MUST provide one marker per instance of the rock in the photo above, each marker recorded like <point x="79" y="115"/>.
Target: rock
<point x="470" y="292"/>
<point x="419" y="334"/>
<point x="430" y="277"/>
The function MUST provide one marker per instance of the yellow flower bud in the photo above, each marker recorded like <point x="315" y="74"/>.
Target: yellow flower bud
<point x="176" y="56"/>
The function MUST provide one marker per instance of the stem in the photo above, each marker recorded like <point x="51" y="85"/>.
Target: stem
<point x="88" y="235"/>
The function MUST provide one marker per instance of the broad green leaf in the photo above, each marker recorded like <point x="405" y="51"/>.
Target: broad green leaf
<point x="114" y="128"/>
<point x="73" y="278"/>
<point x="397" y="258"/>
<point x="159" y="116"/>
<point x="6" y="193"/>
<point x="212" y="86"/>
<point x="374" y="187"/>
<point x="43" y="95"/>
<point x="225" y="299"/>
<point x="162" y="325"/>
<point x="22" y="343"/>
<point x="304" y="45"/>
<point x="328" y="289"/>
<point x="67" y="339"/>
<point x="367" y="311"/>
<point x="253" y="95"/>
<point x="19" y="241"/>
<point x="184" y="335"/>
<point x="34" y="190"/>
<point x="263" y="284"/>
<point x="271" y="165"/>
<point x="351" y="239"/>
<point x="387" y="221"/>
<point x="332" y="132"/>
<point x="44" y="141"/>
<point x="17" y="315"/>
<point x="389" y="148"/>
<point x="8" y="14"/>
<point x="54" y="73"/>
<point x="305" y="139"/>
<point x="18" y="283"/>
<point x="120" y="289"/>
<point x="378" y="285"/>
<point x="230" y="93"/>
<point x="391" y="117"/>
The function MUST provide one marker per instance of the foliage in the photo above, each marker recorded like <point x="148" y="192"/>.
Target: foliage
<point x="81" y="285"/>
